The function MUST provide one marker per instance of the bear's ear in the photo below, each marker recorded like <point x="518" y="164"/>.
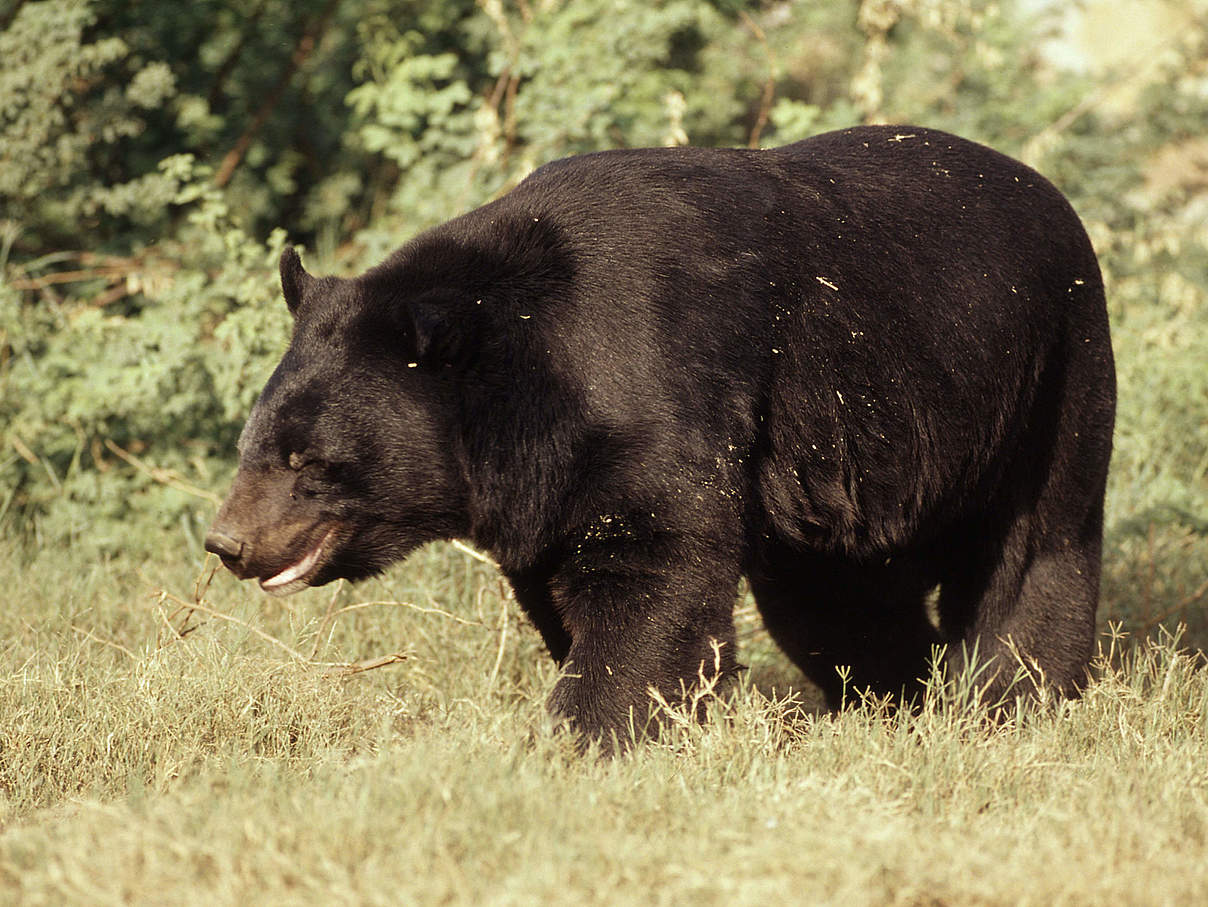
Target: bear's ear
<point x="294" y="278"/>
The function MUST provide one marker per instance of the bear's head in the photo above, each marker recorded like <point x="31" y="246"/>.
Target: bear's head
<point x="347" y="461"/>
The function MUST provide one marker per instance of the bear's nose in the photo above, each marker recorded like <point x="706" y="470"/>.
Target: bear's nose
<point x="226" y="547"/>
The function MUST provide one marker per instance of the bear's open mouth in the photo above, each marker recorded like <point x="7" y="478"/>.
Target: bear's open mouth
<point x="295" y="576"/>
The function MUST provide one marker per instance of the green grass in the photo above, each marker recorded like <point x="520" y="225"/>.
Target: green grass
<point x="137" y="765"/>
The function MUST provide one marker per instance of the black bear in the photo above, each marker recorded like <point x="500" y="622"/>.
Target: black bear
<point x="856" y="370"/>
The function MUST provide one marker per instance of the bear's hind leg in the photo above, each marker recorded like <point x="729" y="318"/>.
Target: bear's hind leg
<point x="1027" y="607"/>
<point x="1022" y="582"/>
<point x="827" y="614"/>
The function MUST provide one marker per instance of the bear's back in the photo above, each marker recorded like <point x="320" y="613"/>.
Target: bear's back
<point x="879" y="302"/>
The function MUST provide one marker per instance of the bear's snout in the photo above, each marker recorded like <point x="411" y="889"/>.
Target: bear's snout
<point x="248" y="526"/>
<point x="225" y="546"/>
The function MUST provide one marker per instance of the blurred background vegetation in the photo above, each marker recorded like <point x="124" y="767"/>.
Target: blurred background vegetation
<point x="155" y="156"/>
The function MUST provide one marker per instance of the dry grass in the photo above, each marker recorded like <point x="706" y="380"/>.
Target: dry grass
<point x="215" y="745"/>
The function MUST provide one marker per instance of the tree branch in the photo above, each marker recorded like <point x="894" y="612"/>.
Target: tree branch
<point x="302" y="50"/>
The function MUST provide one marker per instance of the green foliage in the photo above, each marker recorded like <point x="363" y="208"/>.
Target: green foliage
<point x="89" y="387"/>
<point x="47" y="63"/>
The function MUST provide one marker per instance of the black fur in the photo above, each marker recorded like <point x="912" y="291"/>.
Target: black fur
<point x="852" y="369"/>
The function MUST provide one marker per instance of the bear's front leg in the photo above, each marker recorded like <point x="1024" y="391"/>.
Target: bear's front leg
<point x="642" y="611"/>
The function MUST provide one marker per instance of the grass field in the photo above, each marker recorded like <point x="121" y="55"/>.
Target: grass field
<point x="169" y="739"/>
<point x="247" y="761"/>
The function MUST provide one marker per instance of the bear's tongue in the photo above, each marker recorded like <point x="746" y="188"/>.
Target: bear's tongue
<point x="298" y="570"/>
